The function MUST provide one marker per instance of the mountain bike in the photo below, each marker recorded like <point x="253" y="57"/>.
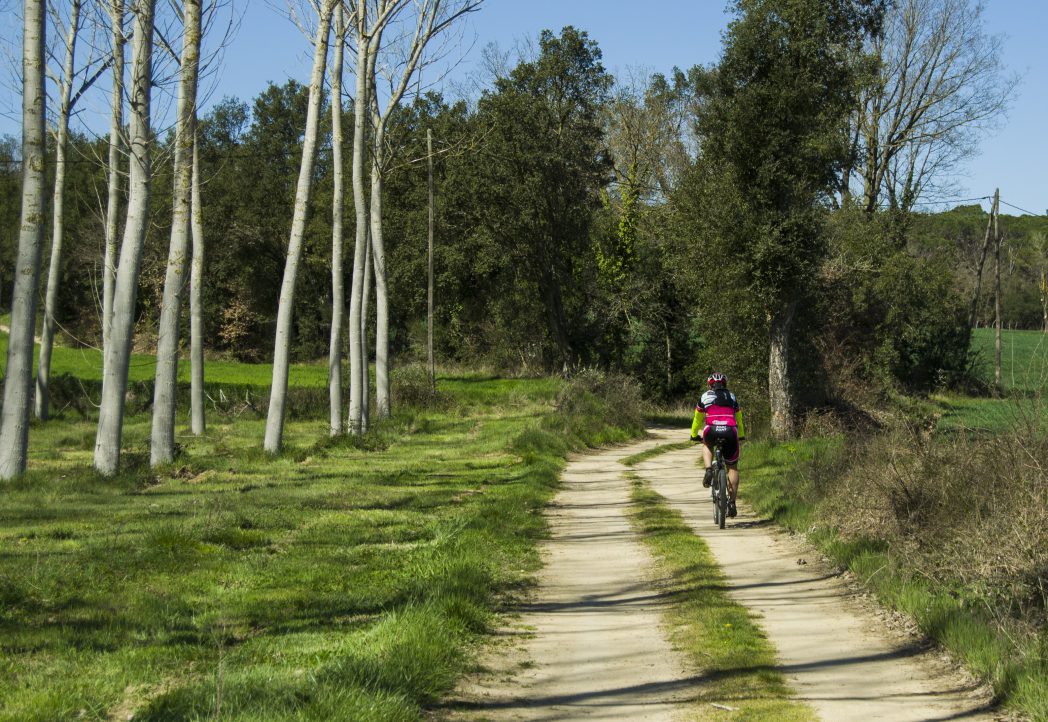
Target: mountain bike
<point x="719" y="485"/>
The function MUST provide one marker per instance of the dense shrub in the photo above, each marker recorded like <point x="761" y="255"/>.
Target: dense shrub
<point x="596" y="407"/>
<point x="970" y="512"/>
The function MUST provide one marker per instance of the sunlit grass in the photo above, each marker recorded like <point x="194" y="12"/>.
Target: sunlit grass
<point x="722" y="639"/>
<point x="1024" y="358"/>
<point x="344" y="579"/>
<point x="332" y="582"/>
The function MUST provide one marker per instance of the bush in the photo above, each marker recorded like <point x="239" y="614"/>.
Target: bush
<point x="970" y="512"/>
<point x="892" y="319"/>
<point x="597" y="407"/>
<point x="411" y="387"/>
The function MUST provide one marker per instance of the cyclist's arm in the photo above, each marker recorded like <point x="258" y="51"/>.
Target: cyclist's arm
<point x="697" y="423"/>
<point x="738" y="421"/>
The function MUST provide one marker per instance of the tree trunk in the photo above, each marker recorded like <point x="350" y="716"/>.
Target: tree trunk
<point x="365" y="307"/>
<point x="780" y="395"/>
<point x="1044" y="299"/>
<point x="118" y="354"/>
<point x="383" y="404"/>
<point x="162" y="448"/>
<point x="357" y="357"/>
<point x="282" y="343"/>
<point x="973" y="315"/>
<point x="429" y="295"/>
<point x="337" y="240"/>
<point x="116" y="130"/>
<point x="18" y="379"/>
<point x="47" y="335"/>
<point x="198" y="421"/>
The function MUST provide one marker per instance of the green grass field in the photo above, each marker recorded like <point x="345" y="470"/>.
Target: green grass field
<point x="86" y="364"/>
<point x="1024" y="375"/>
<point x="1024" y="358"/>
<point x="345" y="579"/>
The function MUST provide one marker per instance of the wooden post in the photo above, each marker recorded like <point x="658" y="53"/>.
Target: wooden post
<point x="429" y="329"/>
<point x="973" y="318"/>
<point x="997" y="290"/>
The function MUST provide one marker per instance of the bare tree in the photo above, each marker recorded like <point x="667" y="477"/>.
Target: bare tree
<point x="118" y="353"/>
<point x="365" y="28"/>
<point x="282" y="342"/>
<point x="938" y="84"/>
<point x="162" y="446"/>
<point x="645" y="123"/>
<point x="65" y="106"/>
<point x="116" y="147"/>
<point x="415" y="24"/>
<point x="337" y="240"/>
<point x="18" y="380"/>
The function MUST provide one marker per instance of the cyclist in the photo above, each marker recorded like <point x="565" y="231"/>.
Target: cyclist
<point x="718" y="416"/>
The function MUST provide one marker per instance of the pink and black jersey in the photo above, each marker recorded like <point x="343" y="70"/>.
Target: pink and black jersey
<point x="719" y="407"/>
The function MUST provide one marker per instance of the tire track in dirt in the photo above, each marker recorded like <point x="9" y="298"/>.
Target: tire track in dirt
<point x="834" y="651"/>
<point x="589" y="644"/>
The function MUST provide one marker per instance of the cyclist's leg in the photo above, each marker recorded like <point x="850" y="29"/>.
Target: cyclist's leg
<point x="707" y="456"/>
<point x="733" y="480"/>
<point x="731" y="457"/>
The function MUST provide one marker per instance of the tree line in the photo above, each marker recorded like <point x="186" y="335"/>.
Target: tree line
<point x="757" y="215"/>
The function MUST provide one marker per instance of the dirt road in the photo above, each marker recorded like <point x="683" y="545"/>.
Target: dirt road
<point x="589" y="645"/>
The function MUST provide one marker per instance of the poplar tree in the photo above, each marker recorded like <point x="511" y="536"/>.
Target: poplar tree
<point x="18" y="379"/>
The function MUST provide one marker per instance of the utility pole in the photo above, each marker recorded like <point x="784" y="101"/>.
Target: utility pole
<point x="997" y="290"/>
<point x="429" y="330"/>
<point x="973" y="317"/>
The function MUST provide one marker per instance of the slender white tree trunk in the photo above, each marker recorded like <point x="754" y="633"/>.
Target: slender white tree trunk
<point x="337" y="285"/>
<point x="47" y="335"/>
<point x="369" y="280"/>
<point x="165" y="389"/>
<point x="382" y="389"/>
<point x="429" y="266"/>
<point x="18" y="379"/>
<point x="116" y="131"/>
<point x="196" y="304"/>
<point x="780" y="395"/>
<point x="118" y="354"/>
<point x="357" y="357"/>
<point x="282" y="342"/>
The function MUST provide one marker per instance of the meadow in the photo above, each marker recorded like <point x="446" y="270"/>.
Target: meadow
<point x="1024" y="378"/>
<point x="345" y="579"/>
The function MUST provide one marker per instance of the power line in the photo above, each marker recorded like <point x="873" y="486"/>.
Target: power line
<point x="1023" y="209"/>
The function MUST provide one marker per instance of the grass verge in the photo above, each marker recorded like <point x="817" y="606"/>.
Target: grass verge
<point x="654" y="451"/>
<point x="722" y="639"/>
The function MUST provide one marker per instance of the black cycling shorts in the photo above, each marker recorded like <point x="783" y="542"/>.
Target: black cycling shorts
<point x="730" y="434"/>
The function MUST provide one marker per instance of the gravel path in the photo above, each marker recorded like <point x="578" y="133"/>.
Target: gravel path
<point x="589" y="645"/>
<point x="833" y="648"/>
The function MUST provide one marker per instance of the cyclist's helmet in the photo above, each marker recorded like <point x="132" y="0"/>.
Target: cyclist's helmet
<point x="717" y="380"/>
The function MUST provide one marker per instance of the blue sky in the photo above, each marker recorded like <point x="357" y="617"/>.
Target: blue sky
<point x="654" y="35"/>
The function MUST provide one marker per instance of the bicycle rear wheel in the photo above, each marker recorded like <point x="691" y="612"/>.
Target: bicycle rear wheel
<point x="715" y="498"/>
<point x="722" y="496"/>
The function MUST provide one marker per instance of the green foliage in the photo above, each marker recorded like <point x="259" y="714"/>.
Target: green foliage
<point x="958" y="235"/>
<point x="891" y="320"/>
<point x="772" y="128"/>
<point x="535" y="196"/>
